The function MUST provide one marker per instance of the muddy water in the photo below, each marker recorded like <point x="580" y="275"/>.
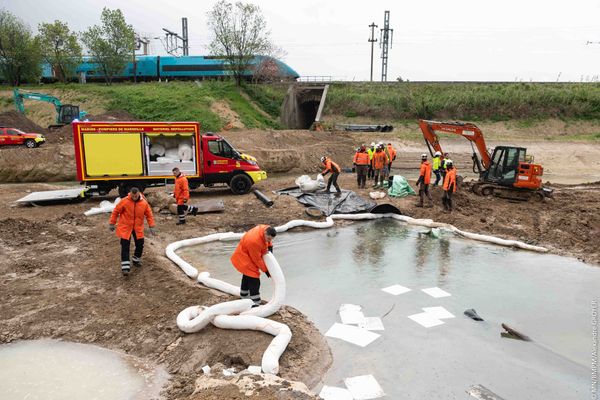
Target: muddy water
<point x="54" y="370"/>
<point x="545" y="297"/>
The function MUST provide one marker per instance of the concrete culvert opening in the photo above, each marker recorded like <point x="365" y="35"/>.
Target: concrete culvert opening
<point x="303" y="106"/>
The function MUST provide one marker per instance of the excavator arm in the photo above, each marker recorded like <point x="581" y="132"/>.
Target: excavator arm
<point x="466" y="130"/>
<point x="65" y="113"/>
<point x="19" y="95"/>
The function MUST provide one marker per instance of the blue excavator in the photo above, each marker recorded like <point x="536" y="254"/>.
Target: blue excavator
<point x="65" y="113"/>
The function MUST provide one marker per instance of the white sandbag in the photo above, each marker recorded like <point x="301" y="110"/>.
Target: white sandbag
<point x="104" y="207"/>
<point x="166" y="160"/>
<point x="157" y="150"/>
<point x="377" y="195"/>
<point x="195" y="318"/>
<point x="184" y="151"/>
<point x="282" y="333"/>
<point x="306" y="184"/>
<point x="172" y="153"/>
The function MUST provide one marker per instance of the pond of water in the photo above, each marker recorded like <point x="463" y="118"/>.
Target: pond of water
<point x="546" y="297"/>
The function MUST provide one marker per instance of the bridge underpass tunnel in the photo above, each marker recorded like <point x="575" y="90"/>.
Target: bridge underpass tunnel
<point x="302" y="106"/>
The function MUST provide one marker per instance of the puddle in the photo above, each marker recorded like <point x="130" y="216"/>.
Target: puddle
<point x="546" y="297"/>
<point x="55" y="370"/>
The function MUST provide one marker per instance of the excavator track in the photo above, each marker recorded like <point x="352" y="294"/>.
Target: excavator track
<point x="506" y="192"/>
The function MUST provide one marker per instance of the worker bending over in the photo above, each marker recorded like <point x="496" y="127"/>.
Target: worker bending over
<point x="182" y="195"/>
<point x="361" y="164"/>
<point x="128" y="216"/>
<point x="449" y="186"/>
<point x="248" y="259"/>
<point x="332" y="167"/>
<point x="424" y="180"/>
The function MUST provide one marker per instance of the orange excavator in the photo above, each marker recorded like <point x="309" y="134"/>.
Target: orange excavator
<point x="507" y="172"/>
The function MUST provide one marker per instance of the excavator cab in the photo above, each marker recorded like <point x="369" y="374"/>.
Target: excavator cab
<point x="67" y="114"/>
<point x="504" y="165"/>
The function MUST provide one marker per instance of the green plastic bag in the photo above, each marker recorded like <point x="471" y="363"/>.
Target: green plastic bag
<point x="400" y="187"/>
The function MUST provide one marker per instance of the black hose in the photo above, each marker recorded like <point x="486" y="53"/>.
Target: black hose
<point x="266" y="201"/>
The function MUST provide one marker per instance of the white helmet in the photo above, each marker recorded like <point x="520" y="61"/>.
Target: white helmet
<point x="437" y="154"/>
<point x="323" y="159"/>
<point x="372" y="144"/>
<point x="423" y="156"/>
<point x="449" y="163"/>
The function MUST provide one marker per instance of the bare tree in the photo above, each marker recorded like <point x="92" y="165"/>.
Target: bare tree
<point x="240" y="34"/>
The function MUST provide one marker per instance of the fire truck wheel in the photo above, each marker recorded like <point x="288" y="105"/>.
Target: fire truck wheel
<point x="240" y="184"/>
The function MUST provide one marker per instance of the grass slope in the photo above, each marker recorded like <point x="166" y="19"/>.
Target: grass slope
<point x="158" y="101"/>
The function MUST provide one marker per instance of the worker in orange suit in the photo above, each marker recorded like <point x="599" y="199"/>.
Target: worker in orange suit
<point x="380" y="162"/>
<point x="361" y="164"/>
<point x="335" y="170"/>
<point x="248" y="259"/>
<point x="424" y="181"/>
<point x="128" y="220"/>
<point x="182" y="195"/>
<point x="392" y="154"/>
<point x="449" y="186"/>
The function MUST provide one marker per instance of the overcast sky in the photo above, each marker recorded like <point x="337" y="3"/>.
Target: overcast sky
<point x="438" y="40"/>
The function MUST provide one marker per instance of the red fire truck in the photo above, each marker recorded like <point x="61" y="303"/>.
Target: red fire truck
<point x="125" y="154"/>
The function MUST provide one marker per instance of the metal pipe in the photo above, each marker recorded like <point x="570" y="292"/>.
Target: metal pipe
<point x="266" y="201"/>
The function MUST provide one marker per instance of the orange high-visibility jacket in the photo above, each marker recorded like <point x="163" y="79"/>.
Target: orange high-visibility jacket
<point x="361" y="158"/>
<point x="380" y="159"/>
<point x="330" y="166"/>
<point x="248" y="255"/>
<point x="131" y="217"/>
<point x="392" y="152"/>
<point x="450" y="180"/>
<point x="425" y="172"/>
<point x="182" y="189"/>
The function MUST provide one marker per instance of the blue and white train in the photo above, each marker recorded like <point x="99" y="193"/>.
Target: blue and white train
<point x="151" y="68"/>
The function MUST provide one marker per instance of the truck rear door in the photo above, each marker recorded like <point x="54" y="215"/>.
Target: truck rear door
<point x="109" y="154"/>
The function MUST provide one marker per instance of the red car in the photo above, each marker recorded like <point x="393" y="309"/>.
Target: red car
<point x="13" y="136"/>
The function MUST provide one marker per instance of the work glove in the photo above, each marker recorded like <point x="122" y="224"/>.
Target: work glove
<point x="111" y="227"/>
<point x="271" y="249"/>
<point x="185" y="201"/>
<point x="419" y="180"/>
<point x="268" y="274"/>
<point x="354" y="168"/>
<point x="152" y="230"/>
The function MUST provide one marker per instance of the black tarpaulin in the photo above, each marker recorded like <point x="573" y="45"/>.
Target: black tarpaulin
<point x="348" y="202"/>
